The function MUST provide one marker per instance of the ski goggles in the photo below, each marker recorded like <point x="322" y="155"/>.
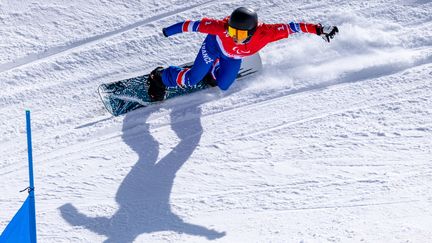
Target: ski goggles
<point x="238" y="34"/>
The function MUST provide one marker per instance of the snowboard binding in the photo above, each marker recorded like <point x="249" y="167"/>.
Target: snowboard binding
<point x="157" y="89"/>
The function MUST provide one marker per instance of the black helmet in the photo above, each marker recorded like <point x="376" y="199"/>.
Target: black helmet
<point x="244" y="19"/>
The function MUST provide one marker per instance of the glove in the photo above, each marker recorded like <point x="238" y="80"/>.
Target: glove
<point x="327" y="32"/>
<point x="164" y="32"/>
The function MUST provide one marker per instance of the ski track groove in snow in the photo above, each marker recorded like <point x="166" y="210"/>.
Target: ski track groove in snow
<point x="267" y="101"/>
<point x="320" y="116"/>
<point x="249" y="107"/>
<point x="262" y="103"/>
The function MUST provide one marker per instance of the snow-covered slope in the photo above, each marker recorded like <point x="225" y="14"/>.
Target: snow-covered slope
<point x="330" y="143"/>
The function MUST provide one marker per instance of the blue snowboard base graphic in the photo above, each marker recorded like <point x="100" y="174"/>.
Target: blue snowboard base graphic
<point x="130" y="94"/>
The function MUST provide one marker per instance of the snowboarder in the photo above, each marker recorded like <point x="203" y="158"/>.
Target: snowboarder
<point x="228" y="41"/>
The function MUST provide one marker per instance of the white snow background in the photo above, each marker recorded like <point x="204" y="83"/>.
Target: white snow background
<point x="330" y="143"/>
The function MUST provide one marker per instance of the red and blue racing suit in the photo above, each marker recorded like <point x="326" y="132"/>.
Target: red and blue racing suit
<point x="220" y="49"/>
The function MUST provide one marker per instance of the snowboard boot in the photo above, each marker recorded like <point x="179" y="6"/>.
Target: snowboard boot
<point x="157" y="88"/>
<point x="210" y="77"/>
<point x="210" y="80"/>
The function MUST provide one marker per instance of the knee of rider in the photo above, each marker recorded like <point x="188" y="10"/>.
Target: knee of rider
<point x="224" y="85"/>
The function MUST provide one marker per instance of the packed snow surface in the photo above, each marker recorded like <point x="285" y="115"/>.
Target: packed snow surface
<point x="330" y="143"/>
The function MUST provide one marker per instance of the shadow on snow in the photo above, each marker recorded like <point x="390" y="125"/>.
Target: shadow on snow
<point x="144" y="195"/>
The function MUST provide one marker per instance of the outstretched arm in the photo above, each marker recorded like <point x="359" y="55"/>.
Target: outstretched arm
<point x="280" y="31"/>
<point x="180" y="27"/>
<point x="326" y="32"/>
<point x="301" y="28"/>
<point x="206" y="25"/>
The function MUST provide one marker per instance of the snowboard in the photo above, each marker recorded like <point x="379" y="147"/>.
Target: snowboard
<point x="130" y="94"/>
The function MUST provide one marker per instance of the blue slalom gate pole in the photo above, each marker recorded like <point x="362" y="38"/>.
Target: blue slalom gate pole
<point x="32" y="208"/>
<point x="22" y="227"/>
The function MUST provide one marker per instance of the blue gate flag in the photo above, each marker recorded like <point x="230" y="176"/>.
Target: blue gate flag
<point x="18" y="230"/>
<point x="22" y="227"/>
